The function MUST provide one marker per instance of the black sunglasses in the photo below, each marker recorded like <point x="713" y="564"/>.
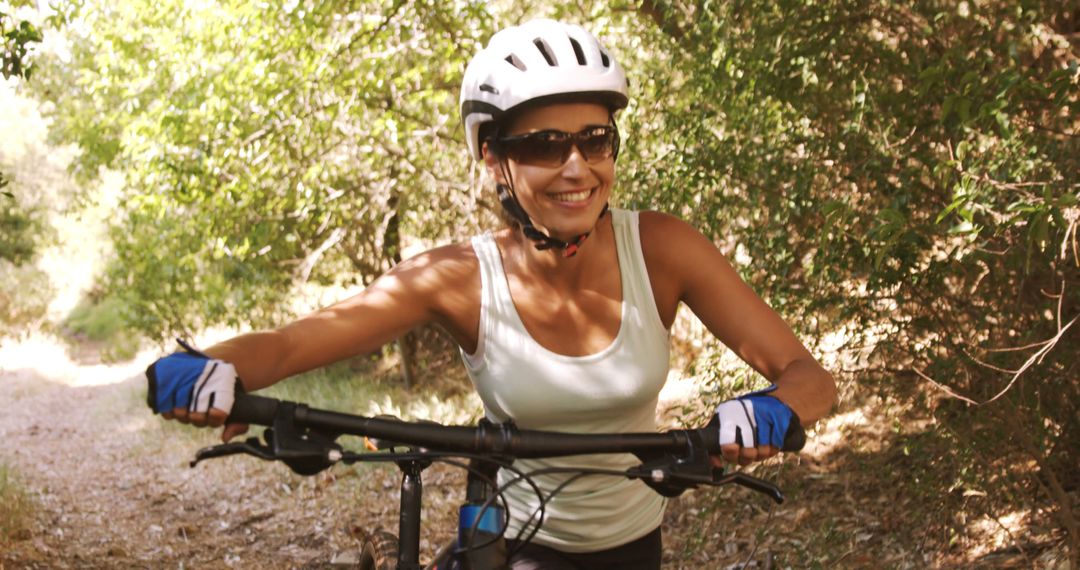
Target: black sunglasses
<point x="552" y="148"/>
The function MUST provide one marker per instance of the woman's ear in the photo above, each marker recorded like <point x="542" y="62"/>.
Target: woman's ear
<point x="491" y="162"/>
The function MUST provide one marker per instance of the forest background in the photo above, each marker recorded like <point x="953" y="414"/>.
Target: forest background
<point x="898" y="179"/>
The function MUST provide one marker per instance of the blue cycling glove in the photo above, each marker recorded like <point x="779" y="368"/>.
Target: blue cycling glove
<point x="190" y="380"/>
<point x="755" y="419"/>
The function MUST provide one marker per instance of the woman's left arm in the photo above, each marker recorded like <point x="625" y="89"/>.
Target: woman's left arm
<point x="686" y="267"/>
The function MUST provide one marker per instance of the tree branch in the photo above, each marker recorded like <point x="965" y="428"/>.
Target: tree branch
<point x="662" y="19"/>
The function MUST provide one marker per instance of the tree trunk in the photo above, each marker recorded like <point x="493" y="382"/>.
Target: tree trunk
<point x="392" y="252"/>
<point x="407" y="350"/>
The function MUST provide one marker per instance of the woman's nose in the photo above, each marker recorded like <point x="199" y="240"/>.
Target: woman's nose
<point x="575" y="163"/>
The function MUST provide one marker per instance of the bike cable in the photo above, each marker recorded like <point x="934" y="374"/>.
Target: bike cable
<point x="577" y="473"/>
<point x="764" y="527"/>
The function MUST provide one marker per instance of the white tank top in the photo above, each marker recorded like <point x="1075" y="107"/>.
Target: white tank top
<point x="614" y="390"/>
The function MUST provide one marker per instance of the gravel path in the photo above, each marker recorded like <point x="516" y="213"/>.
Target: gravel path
<point x="113" y="489"/>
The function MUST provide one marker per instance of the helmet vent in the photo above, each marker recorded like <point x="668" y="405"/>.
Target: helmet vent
<point x="514" y="61"/>
<point x="545" y="51"/>
<point x="604" y="59"/>
<point x="578" y="51"/>
<point x="489" y="89"/>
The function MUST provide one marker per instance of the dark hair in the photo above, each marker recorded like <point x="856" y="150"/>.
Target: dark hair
<point x="490" y="130"/>
<point x="486" y="134"/>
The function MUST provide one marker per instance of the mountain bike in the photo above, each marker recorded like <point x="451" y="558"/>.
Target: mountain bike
<point x="305" y="439"/>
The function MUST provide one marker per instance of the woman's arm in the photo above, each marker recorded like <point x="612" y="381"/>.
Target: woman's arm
<point x="441" y="285"/>
<point x="434" y="286"/>
<point x="685" y="266"/>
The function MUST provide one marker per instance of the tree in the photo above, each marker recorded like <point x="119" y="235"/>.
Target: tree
<point x="18" y="35"/>
<point x="906" y="171"/>
<point x="267" y="145"/>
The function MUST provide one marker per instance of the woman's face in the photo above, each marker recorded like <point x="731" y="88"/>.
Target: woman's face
<point x="565" y="200"/>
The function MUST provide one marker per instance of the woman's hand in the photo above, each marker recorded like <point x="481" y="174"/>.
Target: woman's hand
<point x="233" y="430"/>
<point x="214" y="418"/>
<point x="735" y="453"/>
<point x="755" y="427"/>
<point x="192" y="388"/>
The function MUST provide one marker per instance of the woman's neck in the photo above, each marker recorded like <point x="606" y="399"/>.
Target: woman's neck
<point x="551" y="266"/>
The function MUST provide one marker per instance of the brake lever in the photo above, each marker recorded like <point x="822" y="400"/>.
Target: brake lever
<point x="753" y="483"/>
<point x="671" y="475"/>
<point x="672" y="479"/>
<point x="306" y="451"/>
<point x="250" y="446"/>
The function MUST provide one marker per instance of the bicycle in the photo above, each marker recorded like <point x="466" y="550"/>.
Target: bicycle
<point x="304" y="438"/>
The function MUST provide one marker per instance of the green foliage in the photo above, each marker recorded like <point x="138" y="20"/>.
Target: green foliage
<point x="23" y="228"/>
<point x="19" y="231"/>
<point x="16" y="506"/>
<point x="847" y="129"/>
<point x="103" y="321"/>
<point x="267" y="145"/>
<point x="24" y="218"/>
<point x="361" y="386"/>
<point x="33" y="193"/>
<point x="907" y="170"/>
<point x="17" y="37"/>
<point x="25" y="293"/>
<point x="347" y="386"/>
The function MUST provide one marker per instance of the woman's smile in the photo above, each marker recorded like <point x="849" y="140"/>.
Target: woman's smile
<point x="573" y="198"/>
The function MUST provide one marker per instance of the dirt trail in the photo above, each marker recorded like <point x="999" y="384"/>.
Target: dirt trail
<point x="114" y="490"/>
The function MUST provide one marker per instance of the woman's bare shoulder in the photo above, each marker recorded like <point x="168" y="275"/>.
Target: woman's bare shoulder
<point x="653" y="222"/>
<point x="453" y="253"/>
<point x="448" y="266"/>
<point x="671" y="248"/>
<point x="666" y="238"/>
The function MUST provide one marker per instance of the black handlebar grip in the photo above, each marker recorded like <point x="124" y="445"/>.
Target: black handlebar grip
<point x="251" y="409"/>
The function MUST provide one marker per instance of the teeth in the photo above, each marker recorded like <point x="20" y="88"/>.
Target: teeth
<point x="573" y="196"/>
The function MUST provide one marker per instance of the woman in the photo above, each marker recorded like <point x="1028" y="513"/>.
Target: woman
<point x="562" y="317"/>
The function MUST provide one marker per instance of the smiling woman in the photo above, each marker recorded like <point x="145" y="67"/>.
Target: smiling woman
<point x="557" y="333"/>
<point x="541" y="162"/>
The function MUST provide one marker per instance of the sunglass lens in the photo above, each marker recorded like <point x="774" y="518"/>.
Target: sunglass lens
<point x="548" y="150"/>
<point x="541" y="149"/>
<point x="552" y="148"/>
<point x="597" y="145"/>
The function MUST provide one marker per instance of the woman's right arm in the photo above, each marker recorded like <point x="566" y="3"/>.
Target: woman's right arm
<point x="441" y="285"/>
<point x="433" y="286"/>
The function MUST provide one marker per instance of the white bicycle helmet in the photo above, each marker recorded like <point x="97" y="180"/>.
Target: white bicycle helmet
<point x="540" y="60"/>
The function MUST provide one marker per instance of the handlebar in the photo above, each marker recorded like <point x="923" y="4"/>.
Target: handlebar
<point x="303" y="437"/>
<point x="503" y="439"/>
<point x="487" y="438"/>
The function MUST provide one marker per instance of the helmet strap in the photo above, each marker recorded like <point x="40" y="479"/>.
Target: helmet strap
<point x="540" y="240"/>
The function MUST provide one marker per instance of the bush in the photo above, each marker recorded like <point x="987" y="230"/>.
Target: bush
<point x="25" y="293"/>
<point x="16" y="507"/>
<point x="103" y="321"/>
<point x="906" y="170"/>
